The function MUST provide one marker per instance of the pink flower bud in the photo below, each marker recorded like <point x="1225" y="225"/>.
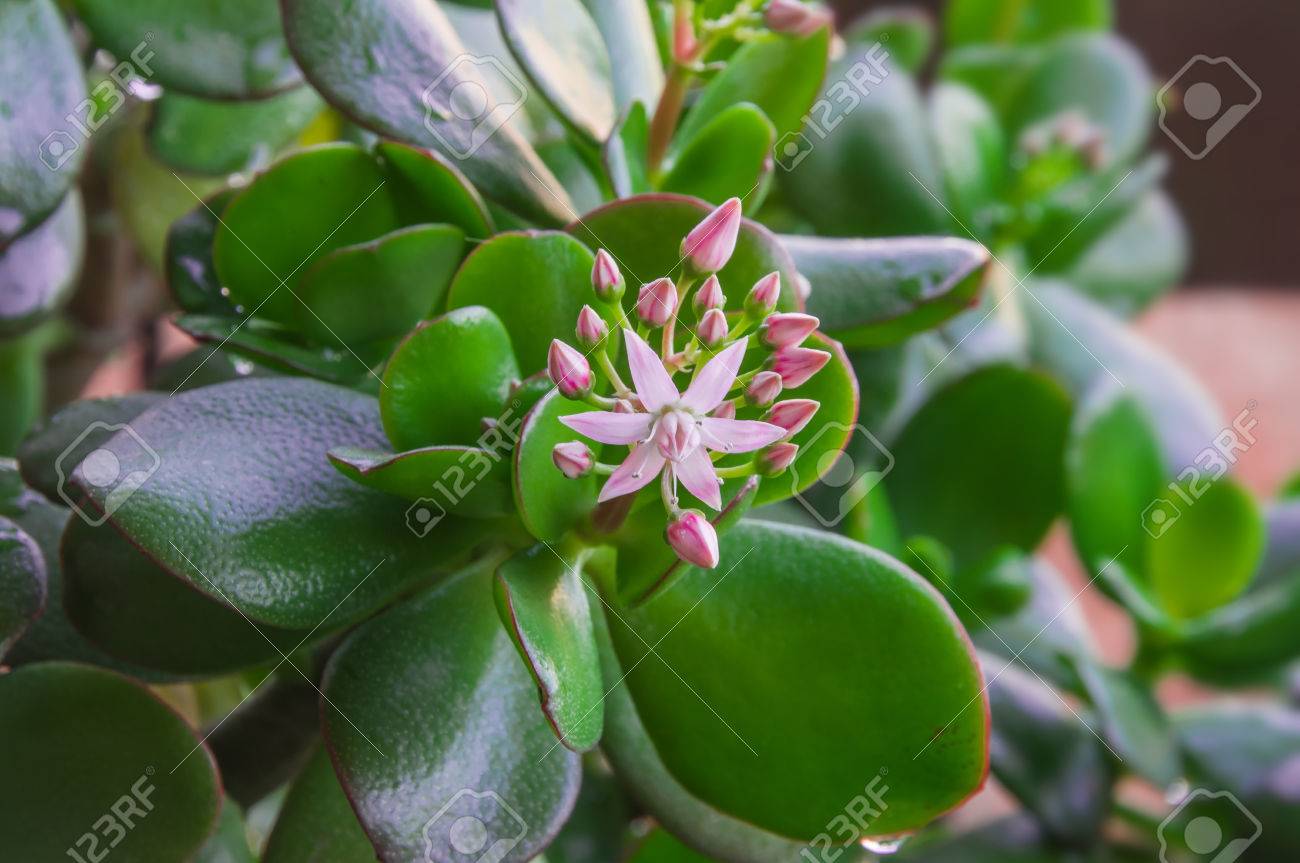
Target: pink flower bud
<point x="685" y="45"/>
<point x="694" y="539"/>
<point x="792" y="415"/>
<point x="763" y="296"/>
<point x="605" y="277"/>
<point x="591" y="327"/>
<point x="574" y="459"/>
<point x="709" y="245"/>
<point x="795" y="18"/>
<point x="569" y="370"/>
<point x="709" y="296"/>
<point x="623" y="406"/>
<point x="713" y="328"/>
<point x="657" y="302"/>
<point x="763" y="389"/>
<point x="785" y="330"/>
<point x="725" y="411"/>
<point x="797" y="365"/>
<point x="774" y="460"/>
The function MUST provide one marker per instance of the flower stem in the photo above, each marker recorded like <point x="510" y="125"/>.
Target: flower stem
<point x="684" y="282"/>
<point x="735" y="471"/>
<point x="603" y="402"/>
<point x="669" y="110"/>
<point x="602" y="469"/>
<point x="607" y="366"/>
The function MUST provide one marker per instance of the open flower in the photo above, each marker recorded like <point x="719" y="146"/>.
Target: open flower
<point x="674" y="431"/>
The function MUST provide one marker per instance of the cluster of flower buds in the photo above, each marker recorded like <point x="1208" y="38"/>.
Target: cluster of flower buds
<point x="688" y="435"/>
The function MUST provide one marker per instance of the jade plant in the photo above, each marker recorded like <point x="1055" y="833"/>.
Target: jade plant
<point x="610" y="430"/>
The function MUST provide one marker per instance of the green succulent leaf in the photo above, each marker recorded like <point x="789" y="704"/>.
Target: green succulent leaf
<point x="471" y="739"/>
<point x="542" y="600"/>
<point x="274" y="347"/>
<point x="39" y="270"/>
<point x="95" y="748"/>
<point x="872" y="293"/>
<point x="269" y="739"/>
<point x="230" y="843"/>
<point x="661" y="847"/>
<point x="1017" y="422"/>
<point x="317" y="822"/>
<point x="626" y="25"/>
<point x="187" y="258"/>
<point x="41" y="82"/>
<point x="736" y="750"/>
<point x="23" y="583"/>
<point x="323" y="546"/>
<point x="467" y="481"/>
<point x="549" y="502"/>
<point x="423" y="63"/>
<point x="214" y="48"/>
<point x="625" y="153"/>
<point x="727" y="158"/>
<point x="1132" y="722"/>
<point x="907" y="31"/>
<point x="972" y="151"/>
<point x="1003" y="21"/>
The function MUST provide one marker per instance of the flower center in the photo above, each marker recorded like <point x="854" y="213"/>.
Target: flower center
<point x="677" y="434"/>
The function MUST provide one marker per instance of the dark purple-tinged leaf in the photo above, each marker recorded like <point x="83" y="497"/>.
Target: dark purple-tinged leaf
<point x="316" y="822"/>
<point x="187" y="258"/>
<point x="467" y="741"/>
<point x="714" y="640"/>
<point x="269" y="739"/>
<point x="105" y="766"/>
<point x="22" y="583"/>
<point x="229" y="844"/>
<point x="39" y="269"/>
<point x="542" y="599"/>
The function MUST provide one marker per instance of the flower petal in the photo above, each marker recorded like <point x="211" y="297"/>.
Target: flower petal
<point x="697" y="474"/>
<point x="710" y="386"/>
<point x="653" y="384"/>
<point x="738" y="435"/>
<point x="609" y="427"/>
<point x="636" y="471"/>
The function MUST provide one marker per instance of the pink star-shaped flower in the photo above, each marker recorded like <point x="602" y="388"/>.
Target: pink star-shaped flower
<point x="674" y="430"/>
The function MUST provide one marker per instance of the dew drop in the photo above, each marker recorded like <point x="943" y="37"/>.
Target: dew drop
<point x="884" y="845"/>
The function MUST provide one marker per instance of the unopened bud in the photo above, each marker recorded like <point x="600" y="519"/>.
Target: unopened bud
<point x="788" y="329"/>
<point x="709" y="245"/>
<point x="657" y="302"/>
<point x="605" y="277"/>
<point x="592" y="328"/>
<point x="792" y="415"/>
<point x="774" y="460"/>
<point x="797" y="365"/>
<point x="763" y="296"/>
<point x="709" y="295"/>
<point x="694" y="539"/>
<point x="574" y="459"/>
<point x="795" y="18"/>
<point x="569" y="370"/>
<point x="725" y="411"/>
<point x="713" y="328"/>
<point x="763" y="389"/>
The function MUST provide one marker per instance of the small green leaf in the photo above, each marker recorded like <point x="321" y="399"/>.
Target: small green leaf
<point x="218" y="49"/>
<point x="468" y="741"/>
<point x="536" y="282"/>
<point x="41" y="80"/>
<point x="275" y="347"/>
<point x="727" y="158"/>
<point x="445" y="377"/>
<point x="216" y="137"/>
<point x="316" y="822"/>
<point x="1132" y="721"/>
<point x="543" y="604"/>
<point x="465" y="480"/>
<point x="22" y="583"/>
<point x="83" y="738"/>
<point x="549" y="502"/>
<point x="1001" y="21"/>
<point x="871" y="293"/>
<point x="561" y="50"/>
<point x="972" y="152"/>
<point x="39" y="270"/>
<point x="753" y="738"/>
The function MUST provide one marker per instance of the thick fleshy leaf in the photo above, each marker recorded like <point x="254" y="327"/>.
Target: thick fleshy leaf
<point x="104" y="765"/>
<point x="1001" y="21"/>
<point x="779" y="74"/>
<point x="597" y="829"/>
<point x="536" y="282"/>
<point x="542" y="600"/>
<point x="1138" y="259"/>
<point x="908" y="32"/>
<point x="469" y="741"/>
<point x="41" y="84"/>
<point x="1132" y="721"/>
<point x="39" y="270"/>
<point x="22" y="383"/>
<point x="215" y="48"/>
<point x="316" y="822"/>
<point x="972" y="152"/>
<point x="445" y="377"/>
<point x="274" y="347"/>
<point x="394" y="65"/>
<point x="661" y="847"/>
<point x="871" y="293"/>
<point x="467" y="481"/>
<point x="252" y="513"/>
<point x="644" y="234"/>
<point x="229" y="844"/>
<point x="728" y="715"/>
<point x="187" y="258"/>
<point x="1017" y="421"/>
<point x="136" y="611"/>
<point x="563" y="53"/>
<point x="727" y="158"/>
<point x="624" y="154"/>
<point x="379" y="289"/>
<point x="873" y="172"/>
<point x="269" y="739"/>
<point x="549" y="502"/>
<point x="996" y="72"/>
<point x="1046" y="754"/>
<point x="215" y="137"/>
<point x="626" y="25"/>
<point x="22" y="583"/>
